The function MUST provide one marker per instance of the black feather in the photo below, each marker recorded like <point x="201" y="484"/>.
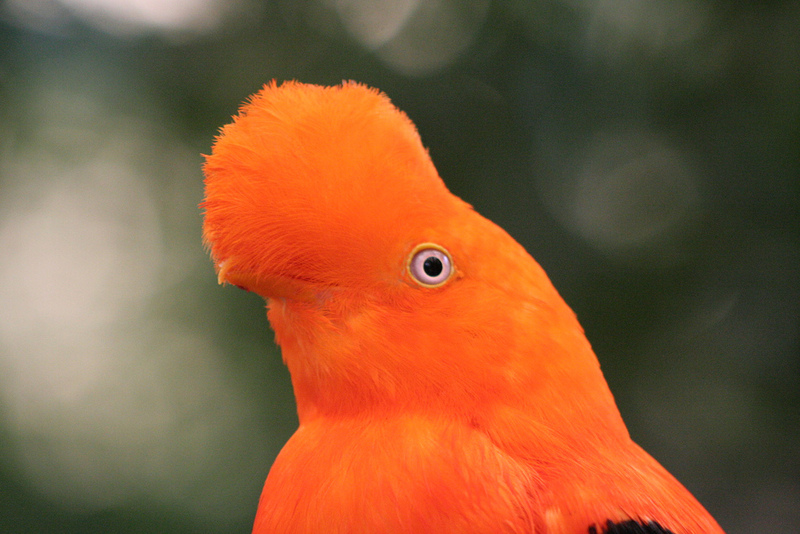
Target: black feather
<point x="630" y="527"/>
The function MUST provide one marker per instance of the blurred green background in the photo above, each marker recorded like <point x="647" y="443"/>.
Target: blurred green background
<point x="646" y="152"/>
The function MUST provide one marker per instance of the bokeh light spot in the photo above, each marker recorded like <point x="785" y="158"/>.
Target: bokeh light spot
<point x="629" y="190"/>
<point x="124" y="17"/>
<point x="375" y="23"/>
<point x="618" y="29"/>
<point x="102" y="398"/>
<point x="414" y="37"/>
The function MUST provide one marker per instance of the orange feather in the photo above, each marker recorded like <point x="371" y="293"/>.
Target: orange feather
<point x="442" y="384"/>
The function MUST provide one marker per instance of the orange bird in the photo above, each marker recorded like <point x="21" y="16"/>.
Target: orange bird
<point x="442" y="384"/>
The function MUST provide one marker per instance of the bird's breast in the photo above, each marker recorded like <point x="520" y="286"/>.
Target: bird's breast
<point x="400" y="474"/>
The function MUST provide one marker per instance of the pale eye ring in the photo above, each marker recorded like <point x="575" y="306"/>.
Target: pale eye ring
<point x="430" y="265"/>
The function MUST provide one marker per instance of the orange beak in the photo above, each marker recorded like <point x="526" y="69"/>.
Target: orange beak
<point x="266" y="285"/>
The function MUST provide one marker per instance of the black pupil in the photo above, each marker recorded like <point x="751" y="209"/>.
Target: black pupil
<point x="433" y="266"/>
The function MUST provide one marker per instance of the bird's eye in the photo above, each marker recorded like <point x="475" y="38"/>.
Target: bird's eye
<point x="430" y="265"/>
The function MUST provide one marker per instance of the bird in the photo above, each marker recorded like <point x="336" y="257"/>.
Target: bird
<point x="441" y="382"/>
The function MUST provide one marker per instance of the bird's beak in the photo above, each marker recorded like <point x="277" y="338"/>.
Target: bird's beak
<point x="267" y="285"/>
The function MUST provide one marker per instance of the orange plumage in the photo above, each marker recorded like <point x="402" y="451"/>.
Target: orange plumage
<point x="442" y="384"/>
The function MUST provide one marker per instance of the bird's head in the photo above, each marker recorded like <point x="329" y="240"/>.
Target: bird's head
<point x="315" y="189"/>
<point x="383" y="287"/>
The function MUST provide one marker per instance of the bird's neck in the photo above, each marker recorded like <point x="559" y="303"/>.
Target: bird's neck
<point x="555" y="384"/>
